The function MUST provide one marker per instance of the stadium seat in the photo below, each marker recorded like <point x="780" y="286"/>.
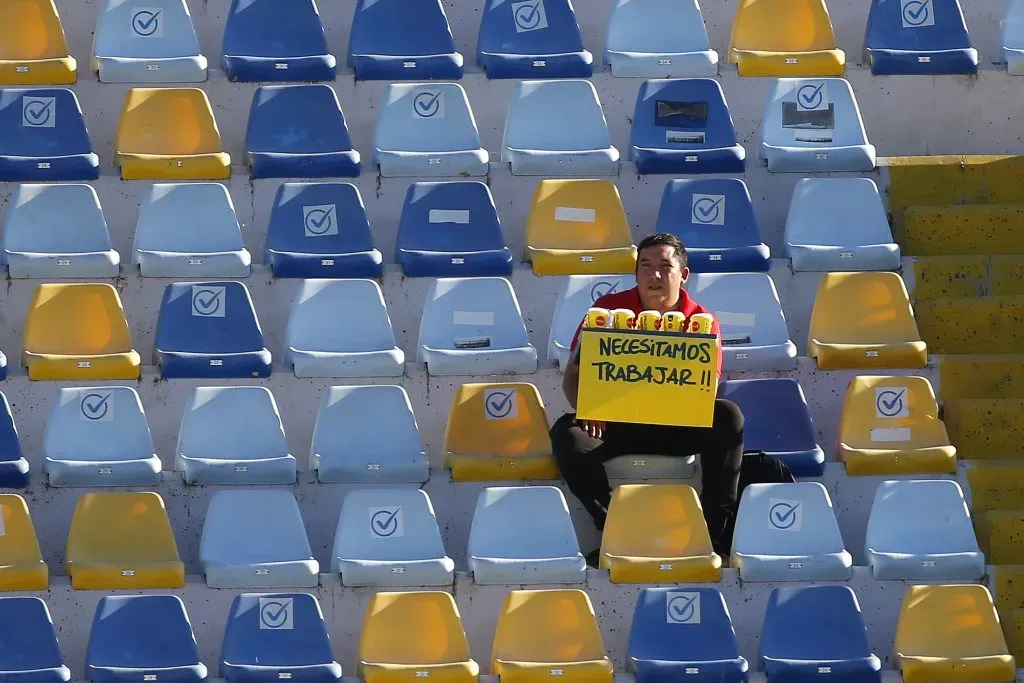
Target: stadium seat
<point x="33" y="49"/>
<point x="367" y="434"/>
<point x="152" y="44"/>
<point x="813" y="630"/>
<point x="209" y="329"/>
<point x="1012" y="38"/>
<point x="714" y="217"/>
<point x="784" y="38"/>
<point x="656" y="533"/>
<point x="14" y="470"/>
<point x="43" y="136"/>
<point x="427" y="129"/>
<point x="578" y="227"/>
<point x="99" y="436"/>
<point x="914" y="37"/>
<point x="837" y="224"/>
<point x="169" y="134"/>
<point x="256" y="539"/>
<point x="135" y="636"/>
<point x="891" y="425"/>
<point x="267" y="41"/>
<point x="299" y="131"/>
<point x="776" y="420"/>
<point x="451" y="229"/>
<point x="754" y="333"/>
<point x="233" y="435"/>
<point x="122" y="541"/>
<point x="415" y="631"/>
<point x="394" y="41"/>
<point x="544" y="631"/>
<point x="577" y="294"/>
<point x="189" y="230"/>
<point x="390" y="537"/>
<point x="523" y="535"/>
<point x="684" y="127"/>
<point x="788" y="532"/>
<point x="951" y="633"/>
<point x="277" y="636"/>
<point x="320" y="230"/>
<point x="21" y="562"/>
<point x="473" y="326"/>
<point x="57" y="231"/>
<point x="662" y="650"/>
<point x="498" y="432"/>
<point x="864" y="320"/>
<point x="659" y="39"/>
<point x="532" y="39"/>
<point x="557" y="128"/>
<point x="30" y="652"/>
<point x="813" y="126"/>
<point x="78" y="331"/>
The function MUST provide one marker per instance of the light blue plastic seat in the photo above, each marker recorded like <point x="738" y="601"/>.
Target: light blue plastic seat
<point x="233" y="435"/>
<point x="256" y="539"/>
<point x="14" y="469"/>
<point x="189" y="230"/>
<point x="1012" y="38"/>
<point x="473" y="326"/>
<point x="367" y="434"/>
<point x="155" y="43"/>
<point x="390" y="537"/>
<point x="55" y="231"/>
<point x="427" y="129"/>
<point x="265" y="40"/>
<point x="577" y="294"/>
<point x="557" y="128"/>
<point x="341" y="328"/>
<point x="29" y="651"/>
<point x="393" y="40"/>
<point x="788" y="532"/>
<point x="659" y="39"/>
<point x="99" y="436"/>
<point x="43" y="137"/>
<point x="921" y="530"/>
<point x="754" y="332"/>
<point x="918" y="37"/>
<point x="532" y="39"/>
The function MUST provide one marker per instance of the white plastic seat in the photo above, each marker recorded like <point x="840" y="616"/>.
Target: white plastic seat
<point x="155" y="43"/>
<point x="1012" y="42"/>
<point x="659" y="39"/>
<point x="577" y="295"/>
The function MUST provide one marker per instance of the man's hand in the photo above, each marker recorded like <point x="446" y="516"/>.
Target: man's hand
<point x="594" y="428"/>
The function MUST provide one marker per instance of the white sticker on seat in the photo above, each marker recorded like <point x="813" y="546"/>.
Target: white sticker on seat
<point x="576" y="215"/>
<point x="3" y="531"/>
<point x="890" y="434"/>
<point x="736" y="319"/>
<point x="459" y="216"/>
<point x="473" y="318"/>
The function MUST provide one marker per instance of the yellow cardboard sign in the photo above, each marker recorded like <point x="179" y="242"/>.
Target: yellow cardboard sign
<point x="661" y="378"/>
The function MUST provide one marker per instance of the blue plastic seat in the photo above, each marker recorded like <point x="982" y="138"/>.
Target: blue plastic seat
<point x="233" y="435"/>
<point x="277" y="636"/>
<point x="56" y="231"/>
<point x="577" y="295"/>
<point x="393" y="40"/>
<point x="320" y="230"/>
<point x="684" y="632"/>
<point x="265" y="40"/>
<point x="209" y="329"/>
<point x="815" y="631"/>
<point x="918" y="37"/>
<point x="14" y="470"/>
<point x="99" y="436"/>
<point x="684" y="126"/>
<point x="659" y="39"/>
<point x="532" y="39"/>
<point x="341" y="328"/>
<point x="1012" y="38"/>
<point x="256" y="539"/>
<point x="29" y="651"/>
<point x="160" y="47"/>
<point x="451" y="229"/>
<point x="776" y="420"/>
<point x="715" y="219"/>
<point x="138" y="636"/>
<point x="43" y="137"/>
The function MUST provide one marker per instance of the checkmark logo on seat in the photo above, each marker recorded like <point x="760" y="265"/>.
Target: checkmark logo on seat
<point x="529" y="15"/>
<point x="429" y="104"/>
<point x="501" y="404"/>
<point x="708" y="209"/>
<point x="96" y="406"/>
<point x="208" y="301"/>
<point x="277" y="614"/>
<point x="602" y="287"/>
<point x="38" y="112"/>
<point x="387" y="522"/>
<point x="812" y="96"/>
<point x="320" y="220"/>
<point x="785" y="515"/>
<point x="917" y="13"/>
<point x="146" y="22"/>
<point x="682" y="607"/>
<point x="891" y="402"/>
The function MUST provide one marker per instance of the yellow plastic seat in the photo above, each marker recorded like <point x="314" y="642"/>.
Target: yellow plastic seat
<point x="169" y="134"/>
<point x="498" y="432"/>
<point x="122" y="540"/>
<point x="21" y="563"/>
<point x="951" y="633"/>
<point x="864" y="320"/>
<point x="78" y="331"/>
<point x="656" y="533"/>
<point x="784" y="38"/>
<point x="891" y="425"/>
<point x="33" y="49"/>
<point x="578" y="227"/>
<point x="415" y="635"/>
<point x="543" y="634"/>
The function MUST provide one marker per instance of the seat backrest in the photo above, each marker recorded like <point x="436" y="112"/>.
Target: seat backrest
<point x="162" y="29"/>
<point x="682" y="114"/>
<point x="746" y="304"/>
<point x="421" y="627"/>
<point x="464" y="312"/>
<point x="887" y="408"/>
<point x="323" y="313"/>
<point x="387" y="525"/>
<point x="208" y="317"/>
<point x="577" y="295"/>
<point x="709" y="213"/>
<point x="853" y="207"/>
<point x="266" y="28"/>
<point x="497" y="419"/>
<point x="811" y="113"/>
<point x="775" y="413"/>
<point x="813" y="623"/>
<point x="141" y="632"/>
<point x="396" y="28"/>
<point x="577" y="215"/>
<point x="10" y="444"/>
<point x="949" y="622"/>
<point x="276" y="629"/>
<point x="546" y="627"/>
<point x="31" y="29"/>
<point x="97" y="423"/>
<point x="115" y="527"/>
<point x="927" y="516"/>
<point x="515" y="521"/>
<point x="782" y="26"/>
<point x="1012" y="35"/>
<point x="41" y="122"/>
<point x="682" y="623"/>
<point x="187" y="218"/>
<point x="167" y="121"/>
<point x="561" y="115"/>
<point x="652" y="520"/>
<point x="18" y="542"/>
<point x="541" y="28"/>
<point x="232" y="423"/>
<point x="250" y="526"/>
<point x="54" y="218"/>
<point x="426" y="117"/>
<point x="862" y="308"/>
<point x="449" y="216"/>
<point x="320" y="218"/>
<point x="298" y="119"/>
<point x="933" y="25"/>
<point x="29" y="637"/>
<point x="785" y="519"/>
<point x="657" y="26"/>
<point x="76" y="319"/>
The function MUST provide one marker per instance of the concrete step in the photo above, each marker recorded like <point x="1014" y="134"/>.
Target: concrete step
<point x="1001" y="535"/>
<point x="986" y="428"/>
<point x="955" y="179"/>
<point x="957" y="324"/>
<point x="996" y="485"/>
<point x="963" y="229"/>
<point x="965" y="376"/>
<point x="1012" y="622"/>
<point x="1007" y="585"/>
<point x="967" y="276"/>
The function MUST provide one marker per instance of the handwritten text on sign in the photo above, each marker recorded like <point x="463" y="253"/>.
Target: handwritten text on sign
<point x="648" y="377"/>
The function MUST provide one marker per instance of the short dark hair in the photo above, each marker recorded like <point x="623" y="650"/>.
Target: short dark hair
<point x="667" y="239"/>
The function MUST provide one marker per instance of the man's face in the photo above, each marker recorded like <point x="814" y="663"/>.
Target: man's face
<point x="659" y="277"/>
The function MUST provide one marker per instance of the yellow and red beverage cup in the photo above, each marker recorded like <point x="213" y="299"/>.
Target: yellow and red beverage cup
<point x="623" y="319"/>
<point x="673" y="321"/>
<point x="649" y="321"/>
<point x="700" y="323"/>
<point x="598" y="317"/>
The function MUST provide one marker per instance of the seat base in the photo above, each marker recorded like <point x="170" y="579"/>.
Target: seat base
<point x="24" y="576"/>
<point x="753" y="258"/>
<point x="54" y="71"/>
<point x="662" y="671"/>
<point x="528" y="571"/>
<point x="227" y="264"/>
<point x="340" y="164"/>
<point x="253" y="672"/>
<point x="126" y="575"/>
<point x="826" y="258"/>
<point x="516" y="361"/>
<point x="182" y="364"/>
<point x="498" y="468"/>
<point x="14" y="474"/>
<point x="85" y="166"/>
<point x="794" y="668"/>
<point x="115" y="673"/>
<point x="584" y="162"/>
<point x="443" y="67"/>
<point x="592" y="671"/>
<point x="650" y="467"/>
<point x="582" y="261"/>
<point x="788" y="64"/>
<point x="343" y="469"/>
<point x="692" y="161"/>
<point x="932" y="669"/>
<point x="183" y="69"/>
<point x="926" y="62"/>
<point x="266" y="471"/>
<point x="871" y="462"/>
<point x="279" y="574"/>
<point x="213" y="166"/>
<point x="1014" y="59"/>
<point x="810" y="463"/>
<point x="898" y="565"/>
<point x="701" y="64"/>
<point x="136" y="472"/>
<point x="467" y="162"/>
<point x="448" y="672"/>
<point x="824" y="567"/>
<point x="743" y="358"/>
<point x="46" y="366"/>
<point x="681" y="569"/>
<point x="100" y="264"/>
<point x="849" y="158"/>
<point x="250" y="68"/>
<point x="362" y="264"/>
<point x="835" y="356"/>
<point x="438" y="571"/>
<point x="558" y="65"/>
<point x="390" y="363"/>
<point x="493" y="262"/>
